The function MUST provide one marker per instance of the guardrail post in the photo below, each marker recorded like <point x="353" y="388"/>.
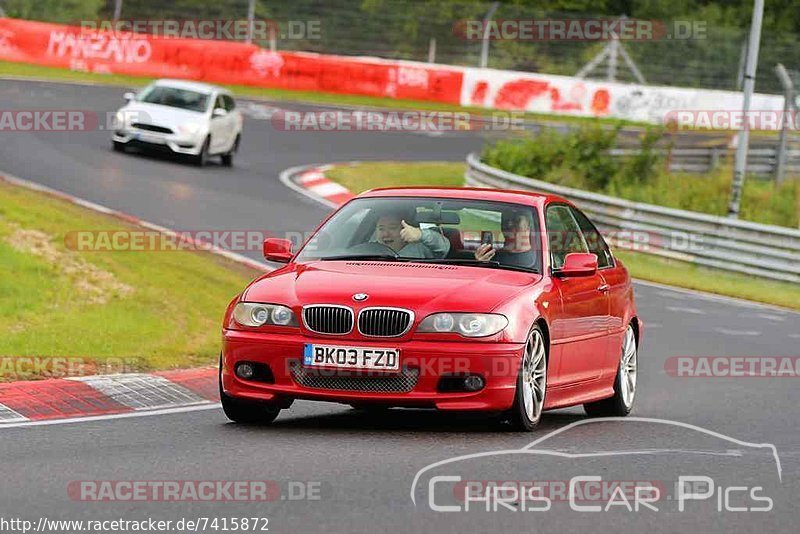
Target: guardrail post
<point x="788" y="106"/>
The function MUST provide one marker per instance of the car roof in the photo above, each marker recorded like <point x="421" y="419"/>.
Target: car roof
<point x="529" y="198"/>
<point x="191" y="86"/>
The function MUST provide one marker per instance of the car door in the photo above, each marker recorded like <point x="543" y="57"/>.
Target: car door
<point x="218" y="127"/>
<point x="620" y="291"/>
<point x="234" y="120"/>
<point x="581" y="324"/>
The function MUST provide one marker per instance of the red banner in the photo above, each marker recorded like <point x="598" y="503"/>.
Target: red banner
<point x="222" y="62"/>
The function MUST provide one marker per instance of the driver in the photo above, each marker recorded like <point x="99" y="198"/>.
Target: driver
<point x="408" y="241"/>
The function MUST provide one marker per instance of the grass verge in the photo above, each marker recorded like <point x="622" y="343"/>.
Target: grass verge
<point x="155" y="310"/>
<point x="363" y="176"/>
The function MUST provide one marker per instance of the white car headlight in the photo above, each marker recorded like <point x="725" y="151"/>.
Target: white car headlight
<point x="466" y="324"/>
<point x="257" y="314"/>
<point x="191" y="128"/>
<point x="122" y="120"/>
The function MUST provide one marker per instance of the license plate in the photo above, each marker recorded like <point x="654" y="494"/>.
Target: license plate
<point x="351" y="357"/>
<point x="145" y="138"/>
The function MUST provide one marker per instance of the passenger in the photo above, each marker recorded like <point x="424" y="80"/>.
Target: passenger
<point x="409" y="241"/>
<point x="517" y="248"/>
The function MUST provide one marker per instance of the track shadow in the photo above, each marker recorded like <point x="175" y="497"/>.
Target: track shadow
<point x="168" y="157"/>
<point x="408" y="420"/>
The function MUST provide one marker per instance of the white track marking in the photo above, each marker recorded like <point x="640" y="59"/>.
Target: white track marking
<point x="8" y="416"/>
<point x="327" y="189"/>
<point x="141" y="391"/>
<point x="683" y="309"/>
<point x="767" y="316"/>
<point x="166" y="411"/>
<point x="729" y="332"/>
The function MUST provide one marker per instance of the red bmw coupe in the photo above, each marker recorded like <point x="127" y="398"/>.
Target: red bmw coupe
<point x="456" y="299"/>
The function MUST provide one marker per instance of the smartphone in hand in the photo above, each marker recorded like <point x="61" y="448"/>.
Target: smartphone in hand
<point x="487" y="237"/>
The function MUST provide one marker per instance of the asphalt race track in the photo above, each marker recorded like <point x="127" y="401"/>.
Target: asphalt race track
<point x="362" y="466"/>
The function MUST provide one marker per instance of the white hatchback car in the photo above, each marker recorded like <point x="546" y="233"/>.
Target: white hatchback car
<point x="194" y="119"/>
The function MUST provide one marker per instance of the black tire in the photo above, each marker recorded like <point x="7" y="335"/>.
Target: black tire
<point x="227" y="159"/>
<point x="202" y="158"/>
<point x="615" y="405"/>
<point x="118" y="147"/>
<point x="246" y="412"/>
<point x="518" y="415"/>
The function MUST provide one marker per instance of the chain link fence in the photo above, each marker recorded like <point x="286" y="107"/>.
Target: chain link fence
<point x="422" y="30"/>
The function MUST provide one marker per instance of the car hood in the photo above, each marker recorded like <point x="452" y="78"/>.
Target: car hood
<point x="162" y="115"/>
<point x="423" y="288"/>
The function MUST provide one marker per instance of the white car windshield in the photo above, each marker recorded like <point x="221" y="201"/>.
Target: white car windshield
<point x="430" y="230"/>
<point x="174" y="97"/>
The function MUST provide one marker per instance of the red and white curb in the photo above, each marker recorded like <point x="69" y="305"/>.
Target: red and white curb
<point x="310" y="181"/>
<point x="101" y="396"/>
<point x="104" y="395"/>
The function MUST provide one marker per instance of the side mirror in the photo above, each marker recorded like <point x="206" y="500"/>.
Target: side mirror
<point x="129" y="96"/>
<point x="277" y="250"/>
<point x="218" y="112"/>
<point x="578" y="264"/>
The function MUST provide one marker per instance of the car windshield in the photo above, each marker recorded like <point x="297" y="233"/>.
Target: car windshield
<point x="466" y="232"/>
<point x="174" y="97"/>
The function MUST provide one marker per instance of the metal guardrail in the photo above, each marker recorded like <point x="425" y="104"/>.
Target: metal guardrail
<point x="733" y="245"/>
<point x="759" y="160"/>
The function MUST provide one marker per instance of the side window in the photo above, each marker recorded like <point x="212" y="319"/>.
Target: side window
<point x="597" y="245"/>
<point x="563" y="234"/>
<point x="230" y="104"/>
<point x="219" y="104"/>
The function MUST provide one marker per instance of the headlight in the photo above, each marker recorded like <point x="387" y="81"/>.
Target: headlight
<point x="257" y="314"/>
<point x="121" y="121"/>
<point x="191" y="128"/>
<point x="466" y="324"/>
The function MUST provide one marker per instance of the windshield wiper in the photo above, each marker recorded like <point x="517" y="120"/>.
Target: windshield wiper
<point x="364" y="257"/>
<point x="478" y="263"/>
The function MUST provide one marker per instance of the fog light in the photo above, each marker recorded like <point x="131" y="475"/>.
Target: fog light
<point x="245" y="370"/>
<point x="473" y="383"/>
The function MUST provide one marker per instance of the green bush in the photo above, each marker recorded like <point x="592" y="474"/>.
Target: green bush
<point x="580" y="159"/>
<point x="580" y="156"/>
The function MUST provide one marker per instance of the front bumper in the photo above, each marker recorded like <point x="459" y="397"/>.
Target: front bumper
<point x="497" y="363"/>
<point x="175" y="143"/>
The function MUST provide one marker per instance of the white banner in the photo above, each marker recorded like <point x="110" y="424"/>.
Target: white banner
<point x="563" y="95"/>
